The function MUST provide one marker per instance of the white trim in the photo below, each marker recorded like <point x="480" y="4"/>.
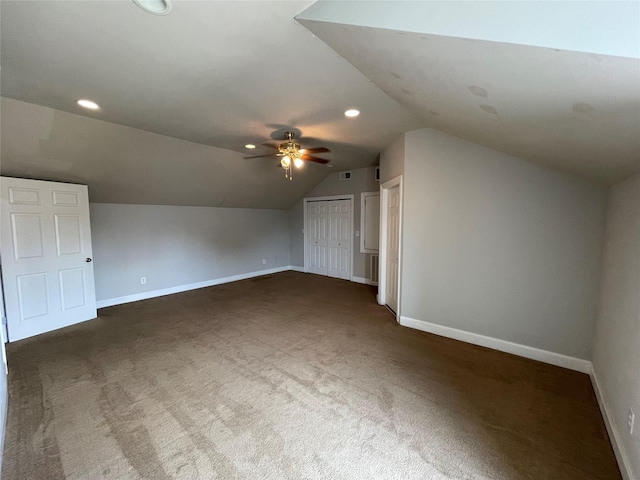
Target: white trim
<point x="209" y="283"/>
<point x="363" y="222"/>
<point x="305" y="201"/>
<point x="545" y="356"/>
<point x="366" y="281"/>
<point x="191" y="286"/>
<point x="382" y="276"/>
<point x="621" y="456"/>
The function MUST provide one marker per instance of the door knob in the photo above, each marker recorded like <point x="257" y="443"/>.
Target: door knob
<point x="88" y="260"/>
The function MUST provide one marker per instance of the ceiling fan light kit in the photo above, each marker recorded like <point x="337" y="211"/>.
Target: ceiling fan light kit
<point x="294" y="156"/>
<point x="290" y="153"/>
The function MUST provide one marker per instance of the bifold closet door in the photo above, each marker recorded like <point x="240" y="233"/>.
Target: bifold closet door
<point x="329" y="238"/>
<point x="317" y="238"/>
<point x="339" y="239"/>
<point x="46" y="256"/>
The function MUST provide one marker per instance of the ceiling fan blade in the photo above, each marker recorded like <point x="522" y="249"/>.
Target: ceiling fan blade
<point x="260" y="156"/>
<point x="311" y="158"/>
<point x="316" y="150"/>
<point x="269" y="145"/>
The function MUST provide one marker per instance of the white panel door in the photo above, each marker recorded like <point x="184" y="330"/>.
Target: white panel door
<point x="340" y="239"/>
<point x="46" y="256"/>
<point x="317" y="224"/>
<point x="393" y="248"/>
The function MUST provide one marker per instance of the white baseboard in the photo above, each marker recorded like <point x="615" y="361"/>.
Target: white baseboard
<point x="366" y="281"/>
<point x="552" y="358"/>
<point x="614" y="435"/>
<point x="191" y="286"/>
<point x="209" y="283"/>
<point x="545" y="356"/>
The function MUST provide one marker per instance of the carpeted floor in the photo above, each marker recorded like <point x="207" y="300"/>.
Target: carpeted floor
<point x="290" y="376"/>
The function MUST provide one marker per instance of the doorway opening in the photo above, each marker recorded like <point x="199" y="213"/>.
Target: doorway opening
<point x="389" y="291"/>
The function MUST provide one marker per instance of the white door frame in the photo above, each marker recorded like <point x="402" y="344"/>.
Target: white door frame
<point x="384" y="205"/>
<point x="305" y="229"/>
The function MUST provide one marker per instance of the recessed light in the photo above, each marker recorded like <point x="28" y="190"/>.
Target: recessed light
<point x="157" y="7"/>
<point x="352" y="113"/>
<point x="83" y="102"/>
<point x="249" y="145"/>
<point x="329" y="166"/>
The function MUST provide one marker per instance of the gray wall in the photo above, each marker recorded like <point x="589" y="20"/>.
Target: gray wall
<point x="498" y="246"/>
<point x="174" y="246"/>
<point x="616" y="353"/>
<point x="296" y="234"/>
<point x="362" y="180"/>
<point x="392" y="160"/>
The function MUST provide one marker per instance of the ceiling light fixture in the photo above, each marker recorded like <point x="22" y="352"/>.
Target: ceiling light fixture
<point x="249" y="146"/>
<point x="352" y="113"/>
<point x="157" y="7"/>
<point x="91" y="105"/>
<point x="291" y="155"/>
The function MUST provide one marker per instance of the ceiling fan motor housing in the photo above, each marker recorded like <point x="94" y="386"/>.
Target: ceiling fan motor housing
<point x="289" y="148"/>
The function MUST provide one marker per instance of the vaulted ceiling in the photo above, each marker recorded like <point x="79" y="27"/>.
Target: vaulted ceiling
<point x="217" y="75"/>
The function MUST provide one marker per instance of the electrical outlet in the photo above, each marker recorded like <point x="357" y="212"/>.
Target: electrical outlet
<point x="357" y="233"/>
<point x="631" y="418"/>
<point x="264" y="261"/>
<point x="143" y="280"/>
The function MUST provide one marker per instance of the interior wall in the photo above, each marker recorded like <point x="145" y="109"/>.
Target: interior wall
<point x="616" y="353"/>
<point x="392" y="160"/>
<point x="362" y="180"/>
<point x="175" y="246"/>
<point x="500" y="247"/>
<point x="296" y="234"/>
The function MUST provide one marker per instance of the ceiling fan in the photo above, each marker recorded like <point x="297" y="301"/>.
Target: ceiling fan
<point x="292" y="155"/>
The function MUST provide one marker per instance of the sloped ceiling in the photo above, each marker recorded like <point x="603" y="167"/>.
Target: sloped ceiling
<point x="221" y="74"/>
<point x="181" y="94"/>
<point x="128" y="165"/>
<point x="574" y="111"/>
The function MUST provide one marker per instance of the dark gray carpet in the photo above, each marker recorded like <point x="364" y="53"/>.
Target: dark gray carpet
<point x="291" y="376"/>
